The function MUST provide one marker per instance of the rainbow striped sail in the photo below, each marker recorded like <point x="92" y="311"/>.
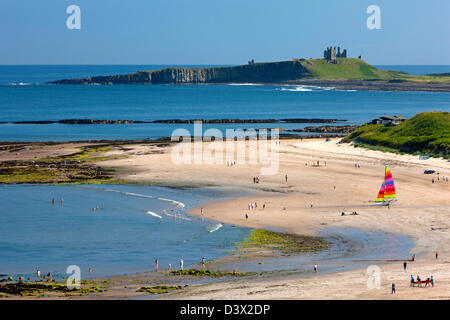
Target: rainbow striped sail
<point x="387" y="190"/>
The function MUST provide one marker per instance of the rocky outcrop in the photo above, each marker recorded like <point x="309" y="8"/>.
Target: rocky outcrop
<point x="327" y="129"/>
<point x="179" y="121"/>
<point x="256" y="72"/>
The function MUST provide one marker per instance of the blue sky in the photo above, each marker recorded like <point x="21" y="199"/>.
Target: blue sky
<point x="221" y="32"/>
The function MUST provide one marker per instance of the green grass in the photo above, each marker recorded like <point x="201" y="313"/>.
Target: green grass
<point x="425" y="133"/>
<point x="357" y="69"/>
<point x="38" y="288"/>
<point x="208" y="273"/>
<point x="158" y="289"/>
<point x="284" y="242"/>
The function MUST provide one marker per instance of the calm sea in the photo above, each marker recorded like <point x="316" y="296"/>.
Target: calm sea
<point x="120" y="237"/>
<point x="23" y="97"/>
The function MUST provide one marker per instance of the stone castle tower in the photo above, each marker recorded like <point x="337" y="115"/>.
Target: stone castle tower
<point x="330" y="54"/>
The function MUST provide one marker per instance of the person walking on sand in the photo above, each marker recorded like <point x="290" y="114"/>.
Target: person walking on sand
<point x="412" y="281"/>
<point x="437" y="255"/>
<point x="432" y="281"/>
<point x="181" y="264"/>
<point x="311" y="204"/>
<point x="286" y="177"/>
<point x="393" y="288"/>
<point x="246" y="216"/>
<point x="264" y="206"/>
<point x="404" y="266"/>
<point x="315" y="268"/>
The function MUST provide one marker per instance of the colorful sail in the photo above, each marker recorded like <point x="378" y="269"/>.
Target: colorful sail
<point x="387" y="190"/>
<point x="380" y="196"/>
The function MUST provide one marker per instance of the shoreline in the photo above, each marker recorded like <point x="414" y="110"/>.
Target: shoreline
<point x="423" y="219"/>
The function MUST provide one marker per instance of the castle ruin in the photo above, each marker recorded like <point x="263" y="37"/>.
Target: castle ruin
<point x="330" y="54"/>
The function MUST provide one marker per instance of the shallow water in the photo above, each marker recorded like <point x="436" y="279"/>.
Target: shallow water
<point x="119" y="238"/>
<point x="351" y="248"/>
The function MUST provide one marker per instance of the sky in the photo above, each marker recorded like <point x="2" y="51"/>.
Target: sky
<point x="226" y="32"/>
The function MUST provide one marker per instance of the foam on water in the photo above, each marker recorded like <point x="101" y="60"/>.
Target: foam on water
<point x="125" y="238"/>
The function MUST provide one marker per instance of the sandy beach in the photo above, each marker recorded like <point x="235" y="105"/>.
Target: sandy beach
<point x="333" y="185"/>
<point x="421" y="213"/>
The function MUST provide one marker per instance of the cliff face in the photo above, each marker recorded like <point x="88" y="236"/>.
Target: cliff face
<point x="259" y="72"/>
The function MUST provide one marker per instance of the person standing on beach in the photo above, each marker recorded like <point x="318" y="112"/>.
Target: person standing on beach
<point x="315" y="268"/>
<point x="432" y="281"/>
<point x="203" y="262"/>
<point x="393" y="288"/>
<point x="286" y="177"/>
<point x="170" y="267"/>
<point x="414" y="257"/>
<point x="412" y="281"/>
<point x="404" y="266"/>
<point x="38" y="273"/>
<point x="246" y="216"/>
<point x="311" y="204"/>
<point x="156" y="265"/>
<point x="437" y="255"/>
<point x="181" y="264"/>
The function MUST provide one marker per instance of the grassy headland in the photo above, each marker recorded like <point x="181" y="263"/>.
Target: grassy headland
<point x="346" y="69"/>
<point x="425" y="133"/>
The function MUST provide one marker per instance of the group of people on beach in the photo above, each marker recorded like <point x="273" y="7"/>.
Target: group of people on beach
<point x="429" y="280"/>
<point x="255" y="179"/>
<point x="203" y="262"/>
<point x="252" y="205"/>
<point x="231" y="163"/>
<point x="444" y="179"/>
<point x="54" y="201"/>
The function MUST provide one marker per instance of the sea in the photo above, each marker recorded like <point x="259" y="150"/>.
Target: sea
<point x="135" y="225"/>
<point x="24" y="96"/>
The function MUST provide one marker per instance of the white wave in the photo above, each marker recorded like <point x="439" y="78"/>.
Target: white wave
<point x="306" y="88"/>
<point x="244" y="84"/>
<point x="177" y="203"/>
<point x="20" y="84"/>
<point x="214" y="227"/>
<point x="302" y="89"/>
<point x="154" y="214"/>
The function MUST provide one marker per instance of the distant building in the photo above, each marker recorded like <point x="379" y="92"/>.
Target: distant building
<point x="389" y="121"/>
<point x="330" y="54"/>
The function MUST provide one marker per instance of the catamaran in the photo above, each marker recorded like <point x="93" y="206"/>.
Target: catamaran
<point x="386" y="195"/>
